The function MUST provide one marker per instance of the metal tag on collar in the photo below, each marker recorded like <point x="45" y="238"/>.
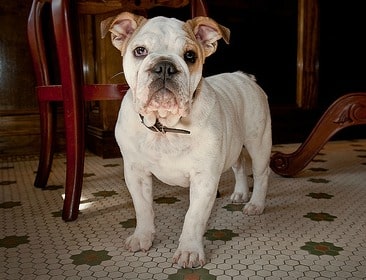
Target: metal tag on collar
<point x="158" y="127"/>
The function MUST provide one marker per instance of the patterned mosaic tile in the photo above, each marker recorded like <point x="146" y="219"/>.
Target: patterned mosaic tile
<point x="5" y="183"/>
<point x="321" y="248"/>
<point x="53" y="187"/>
<point x="166" y="200"/>
<point x="320" y="217"/>
<point x="130" y="223"/>
<point x="86" y="175"/>
<point x="320" y="195"/>
<point x="313" y="226"/>
<point x="57" y="214"/>
<point x="10" y="204"/>
<point x="105" y="193"/>
<point x="90" y="257"/>
<point x="319" y="180"/>
<point x="13" y="241"/>
<point x="318" y="169"/>
<point x="220" y="234"/>
<point x="234" y="207"/>
<point x="192" y="274"/>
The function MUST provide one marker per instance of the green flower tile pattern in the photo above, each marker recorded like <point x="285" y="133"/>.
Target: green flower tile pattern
<point x="318" y="169"/>
<point x="319" y="180"/>
<point x="13" y="241"/>
<point x="320" y="217"/>
<point x="10" y="204"/>
<point x="53" y="187"/>
<point x="130" y="223"/>
<point x="321" y="248"/>
<point x="57" y="214"/>
<point x="192" y="274"/>
<point x="232" y="207"/>
<point x="320" y="195"/>
<point x="318" y="160"/>
<point x="5" y="183"/>
<point x="166" y="200"/>
<point x="220" y="234"/>
<point x="91" y="257"/>
<point x="104" y="193"/>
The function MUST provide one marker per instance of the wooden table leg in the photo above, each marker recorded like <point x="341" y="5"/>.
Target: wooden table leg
<point x="348" y="110"/>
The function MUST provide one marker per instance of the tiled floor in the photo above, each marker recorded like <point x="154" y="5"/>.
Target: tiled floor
<point x="314" y="226"/>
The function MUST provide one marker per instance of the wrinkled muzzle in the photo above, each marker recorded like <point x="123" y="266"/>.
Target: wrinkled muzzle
<point x="163" y="91"/>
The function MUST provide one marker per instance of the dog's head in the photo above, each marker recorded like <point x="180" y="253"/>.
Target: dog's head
<point x="162" y="61"/>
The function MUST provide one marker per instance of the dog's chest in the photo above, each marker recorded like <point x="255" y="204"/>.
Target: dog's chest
<point x="158" y="145"/>
<point x="168" y="157"/>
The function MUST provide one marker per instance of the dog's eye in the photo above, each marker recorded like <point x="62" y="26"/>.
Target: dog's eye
<point x="140" y="51"/>
<point x="190" y="56"/>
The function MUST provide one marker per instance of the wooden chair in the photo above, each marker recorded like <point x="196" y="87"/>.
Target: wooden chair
<point x="69" y="89"/>
<point x="348" y="110"/>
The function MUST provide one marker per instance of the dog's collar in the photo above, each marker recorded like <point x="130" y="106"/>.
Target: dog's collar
<point x="158" y="127"/>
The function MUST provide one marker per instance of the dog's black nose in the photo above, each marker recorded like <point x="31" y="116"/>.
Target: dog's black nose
<point x="165" y="69"/>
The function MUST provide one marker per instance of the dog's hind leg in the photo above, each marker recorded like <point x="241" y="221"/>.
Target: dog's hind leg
<point x="259" y="151"/>
<point x="241" y="190"/>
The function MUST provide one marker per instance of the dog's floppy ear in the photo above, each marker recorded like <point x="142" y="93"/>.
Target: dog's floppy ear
<point x="208" y="32"/>
<point x="121" y="28"/>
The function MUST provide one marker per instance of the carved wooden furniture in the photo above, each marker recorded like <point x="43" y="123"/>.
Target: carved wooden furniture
<point x="348" y="110"/>
<point x="69" y="88"/>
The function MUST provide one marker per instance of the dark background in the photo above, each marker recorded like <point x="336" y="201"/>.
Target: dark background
<point x="263" y="43"/>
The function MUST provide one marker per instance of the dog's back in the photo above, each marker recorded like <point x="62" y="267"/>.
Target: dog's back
<point x="244" y="99"/>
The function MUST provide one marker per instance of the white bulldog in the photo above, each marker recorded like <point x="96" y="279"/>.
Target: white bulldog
<point x="183" y="128"/>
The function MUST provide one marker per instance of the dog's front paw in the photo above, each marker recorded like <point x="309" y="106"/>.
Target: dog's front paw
<point x="238" y="197"/>
<point x="253" y="209"/>
<point x="139" y="242"/>
<point x="189" y="257"/>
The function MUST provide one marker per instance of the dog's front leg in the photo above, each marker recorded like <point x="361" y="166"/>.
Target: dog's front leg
<point x="139" y="184"/>
<point x="190" y="252"/>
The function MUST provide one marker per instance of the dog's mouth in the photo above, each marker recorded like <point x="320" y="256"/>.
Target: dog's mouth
<point x="163" y="105"/>
<point x="163" y="102"/>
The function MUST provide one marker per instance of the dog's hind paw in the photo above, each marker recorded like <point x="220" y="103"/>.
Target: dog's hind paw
<point x="238" y="197"/>
<point x="138" y="242"/>
<point x="253" y="209"/>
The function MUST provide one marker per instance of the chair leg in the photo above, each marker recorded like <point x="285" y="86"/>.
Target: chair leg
<point x="68" y="59"/>
<point x="346" y="111"/>
<point x="47" y="127"/>
<point x="75" y="150"/>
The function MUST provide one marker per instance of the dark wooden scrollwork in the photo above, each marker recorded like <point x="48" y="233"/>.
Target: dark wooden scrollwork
<point x="348" y="110"/>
